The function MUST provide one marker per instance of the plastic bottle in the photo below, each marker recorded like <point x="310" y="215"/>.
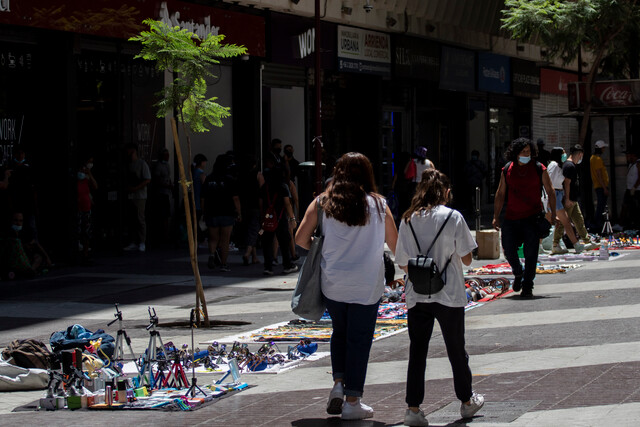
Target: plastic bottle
<point x="604" y="249"/>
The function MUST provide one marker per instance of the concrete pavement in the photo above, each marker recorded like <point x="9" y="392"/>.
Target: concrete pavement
<point x="571" y="356"/>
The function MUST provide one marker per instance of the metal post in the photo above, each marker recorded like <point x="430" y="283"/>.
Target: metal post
<point x="317" y="140"/>
<point x="478" y="210"/>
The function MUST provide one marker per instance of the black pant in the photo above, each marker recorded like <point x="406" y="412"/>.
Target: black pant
<point x="420" y="319"/>
<point x="516" y="232"/>
<point x="284" y="238"/>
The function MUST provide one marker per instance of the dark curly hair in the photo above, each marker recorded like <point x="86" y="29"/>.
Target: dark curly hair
<point x="516" y="146"/>
<point x="431" y="192"/>
<point x="346" y="195"/>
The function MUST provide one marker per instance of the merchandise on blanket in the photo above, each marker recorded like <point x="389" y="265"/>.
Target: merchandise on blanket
<point x="394" y="291"/>
<point x="392" y="311"/>
<point x="505" y="268"/>
<point x="481" y="290"/>
<point x="77" y="336"/>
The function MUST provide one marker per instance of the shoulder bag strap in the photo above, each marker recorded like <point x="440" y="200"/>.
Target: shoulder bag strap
<point x="319" y="231"/>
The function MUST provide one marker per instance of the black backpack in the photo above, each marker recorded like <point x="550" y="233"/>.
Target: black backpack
<point x="28" y="353"/>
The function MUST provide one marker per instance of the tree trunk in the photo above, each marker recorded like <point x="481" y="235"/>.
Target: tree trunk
<point x="200" y="298"/>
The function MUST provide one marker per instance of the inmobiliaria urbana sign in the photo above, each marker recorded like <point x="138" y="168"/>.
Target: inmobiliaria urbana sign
<point x="606" y="94"/>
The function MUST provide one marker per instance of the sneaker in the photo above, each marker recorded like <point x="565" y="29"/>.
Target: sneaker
<point x="225" y="268"/>
<point x="558" y="250"/>
<point x="359" y="411"/>
<point x="268" y="272"/>
<point x="142" y="247"/>
<point x="131" y="247"/>
<point x="415" y="418"/>
<point x="211" y="262"/>
<point x="541" y="250"/>
<point x="526" y="293"/>
<point x="578" y="247"/>
<point x="588" y="246"/>
<point x="291" y="269"/>
<point x="475" y="403"/>
<point x="336" y="399"/>
<point x="517" y="284"/>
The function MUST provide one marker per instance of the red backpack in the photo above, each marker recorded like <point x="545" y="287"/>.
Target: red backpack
<point x="271" y="219"/>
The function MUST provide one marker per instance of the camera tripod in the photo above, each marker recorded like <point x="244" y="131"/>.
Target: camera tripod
<point x="121" y="338"/>
<point x="607" y="231"/>
<point x="146" y="374"/>
<point x="194" y="389"/>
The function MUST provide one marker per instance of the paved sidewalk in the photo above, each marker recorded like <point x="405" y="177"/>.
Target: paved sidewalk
<point x="571" y="356"/>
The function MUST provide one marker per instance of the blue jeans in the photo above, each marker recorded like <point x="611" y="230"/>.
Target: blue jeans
<point x="515" y="232"/>
<point x="353" y="326"/>
<point x="598" y="220"/>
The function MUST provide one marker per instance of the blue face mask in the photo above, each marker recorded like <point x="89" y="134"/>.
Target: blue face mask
<point x="81" y="175"/>
<point x="563" y="158"/>
<point x="524" y="160"/>
<point x="16" y="228"/>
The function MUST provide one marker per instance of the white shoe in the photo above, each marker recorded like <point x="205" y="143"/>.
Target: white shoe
<point x="336" y="399"/>
<point x="359" y="411"/>
<point x="142" y="247"/>
<point x="131" y="247"/>
<point x="558" y="250"/>
<point x="415" y="418"/>
<point x="475" y="403"/>
<point x="578" y="247"/>
<point x="588" y="246"/>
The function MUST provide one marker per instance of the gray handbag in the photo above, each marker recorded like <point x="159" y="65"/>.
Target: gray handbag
<point x="307" y="301"/>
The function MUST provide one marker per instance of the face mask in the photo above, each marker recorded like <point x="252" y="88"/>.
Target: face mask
<point x="563" y="158"/>
<point x="16" y="227"/>
<point x="81" y="175"/>
<point x="524" y="160"/>
<point x="89" y="165"/>
<point x="578" y="162"/>
<point x="19" y="161"/>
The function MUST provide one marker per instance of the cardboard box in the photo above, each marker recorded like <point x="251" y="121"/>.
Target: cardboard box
<point x="488" y="244"/>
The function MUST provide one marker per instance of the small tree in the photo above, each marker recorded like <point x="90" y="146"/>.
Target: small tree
<point x="571" y="26"/>
<point x="189" y="58"/>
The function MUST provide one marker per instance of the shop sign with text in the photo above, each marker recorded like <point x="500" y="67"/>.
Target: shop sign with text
<point x="525" y="78"/>
<point x="606" y="94"/>
<point x="416" y="58"/>
<point x="363" y="51"/>
<point x="494" y="73"/>
<point x="457" y="69"/>
<point x="556" y="82"/>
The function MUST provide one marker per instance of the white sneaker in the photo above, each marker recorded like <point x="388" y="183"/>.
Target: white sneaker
<point x="359" y="411"/>
<point x="415" y="418"/>
<point x="588" y="246"/>
<point x="578" y="247"/>
<point x="475" y="403"/>
<point x="291" y="269"/>
<point x="558" y="250"/>
<point x="142" y="247"/>
<point x="336" y="399"/>
<point x="131" y="247"/>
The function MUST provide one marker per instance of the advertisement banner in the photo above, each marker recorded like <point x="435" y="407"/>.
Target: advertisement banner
<point x="494" y="73"/>
<point x="293" y="41"/>
<point x="457" y="69"/>
<point x="525" y="78"/>
<point x="416" y="58"/>
<point x="606" y="94"/>
<point x="556" y="82"/>
<point x="113" y="18"/>
<point x="363" y="51"/>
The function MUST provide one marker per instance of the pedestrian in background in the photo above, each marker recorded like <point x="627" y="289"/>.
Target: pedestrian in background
<point x="600" y="180"/>
<point x="426" y="216"/>
<point x="86" y="183"/>
<point x="199" y="175"/>
<point x="631" y="201"/>
<point x="544" y="156"/>
<point x="250" y="180"/>
<point x="520" y="188"/>
<point x="137" y="180"/>
<point x="356" y="224"/>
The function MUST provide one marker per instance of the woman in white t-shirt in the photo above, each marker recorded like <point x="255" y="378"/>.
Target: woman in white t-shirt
<point x="453" y="247"/>
<point x="356" y="224"/>
<point x="558" y="157"/>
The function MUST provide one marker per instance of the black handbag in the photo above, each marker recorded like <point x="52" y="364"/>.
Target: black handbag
<point x="424" y="274"/>
<point x="542" y="225"/>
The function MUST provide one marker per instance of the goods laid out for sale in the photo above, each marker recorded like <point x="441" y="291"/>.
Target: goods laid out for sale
<point x="505" y="268"/>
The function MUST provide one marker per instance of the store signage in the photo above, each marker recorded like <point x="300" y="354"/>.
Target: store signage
<point x="416" y="58"/>
<point x="525" y="78"/>
<point x="606" y="94"/>
<point x="457" y="68"/>
<point x="304" y="44"/>
<point x="173" y="20"/>
<point x="10" y="135"/>
<point x="556" y="82"/>
<point x="494" y="73"/>
<point x="363" y="51"/>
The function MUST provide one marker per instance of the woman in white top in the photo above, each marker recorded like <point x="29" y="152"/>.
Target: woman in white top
<point x="558" y="157"/>
<point x="356" y="224"/>
<point x="427" y="215"/>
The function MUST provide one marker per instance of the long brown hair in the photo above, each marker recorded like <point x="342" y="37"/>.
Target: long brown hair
<point x="347" y="192"/>
<point x="432" y="191"/>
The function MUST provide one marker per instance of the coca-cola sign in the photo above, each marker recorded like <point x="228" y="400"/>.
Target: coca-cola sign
<point x="609" y="94"/>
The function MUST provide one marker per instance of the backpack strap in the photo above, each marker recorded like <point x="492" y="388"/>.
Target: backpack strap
<point x="435" y="238"/>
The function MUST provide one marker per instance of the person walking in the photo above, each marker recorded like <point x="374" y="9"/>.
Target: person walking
<point x="86" y="183"/>
<point x="425" y="217"/>
<point x="557" y="159"/>
<point x="571" y="192"/>
<point x="631" y="200"/>
<point x="138" y="178"/>
<point x="356" y="224"/>
<point x="520" y="187"/>
<point x="199" y="176"/>
<point x="600" y="180"/>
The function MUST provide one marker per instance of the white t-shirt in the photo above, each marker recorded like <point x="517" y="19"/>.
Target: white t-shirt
<point x="455" y="239"/>
<point x="352" y="266"/>
<point x="555" y="173"/>
<point x="421" y="167"/>
<point x="632" y="175"/>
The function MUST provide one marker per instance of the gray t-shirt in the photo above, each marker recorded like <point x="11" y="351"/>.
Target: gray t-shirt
<point x="455" y="241"/>
<point x="138" y="172"/>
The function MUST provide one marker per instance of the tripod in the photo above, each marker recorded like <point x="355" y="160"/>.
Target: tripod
<point x="606" y="228"/>
<point x="118" y="353"/>
<point x="194" y="381"/>
<point x="152" y="349"/>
